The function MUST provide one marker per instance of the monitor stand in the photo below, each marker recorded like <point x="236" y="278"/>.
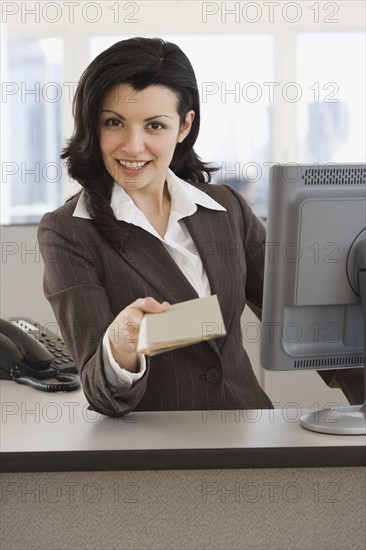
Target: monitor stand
<point x="346" y="420"/>
<point x="342" y="421"/>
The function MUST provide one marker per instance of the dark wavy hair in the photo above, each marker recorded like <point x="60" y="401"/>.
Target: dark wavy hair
<point x="138" y="62"/>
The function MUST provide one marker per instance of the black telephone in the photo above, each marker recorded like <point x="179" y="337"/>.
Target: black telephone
<point x="30" y="354"/>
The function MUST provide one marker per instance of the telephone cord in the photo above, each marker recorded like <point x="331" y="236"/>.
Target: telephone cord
<point x="69" y="382"/>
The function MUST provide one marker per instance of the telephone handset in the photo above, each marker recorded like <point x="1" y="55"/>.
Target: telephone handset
<point x="31" y="355"/>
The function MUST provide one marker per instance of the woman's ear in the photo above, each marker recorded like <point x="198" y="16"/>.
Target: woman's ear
<point x="186" y="126"/>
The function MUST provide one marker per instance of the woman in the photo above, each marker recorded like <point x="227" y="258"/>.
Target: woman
<point x="148" y="231"/>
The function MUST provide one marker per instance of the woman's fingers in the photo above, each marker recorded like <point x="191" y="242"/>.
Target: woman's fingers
<point x="128" y="321"/>
<point x="149" y="305"/>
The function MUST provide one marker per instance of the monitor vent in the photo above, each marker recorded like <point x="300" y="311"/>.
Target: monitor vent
<point x="353" y="360"/>
<point x="334" y="175"/>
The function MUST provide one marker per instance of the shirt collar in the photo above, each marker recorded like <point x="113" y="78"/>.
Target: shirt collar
<point x="184" y="200"/>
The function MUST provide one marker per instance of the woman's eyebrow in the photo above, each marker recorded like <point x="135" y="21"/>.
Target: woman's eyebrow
<point x="145" y="120"/>
<point x="156" y="116"/>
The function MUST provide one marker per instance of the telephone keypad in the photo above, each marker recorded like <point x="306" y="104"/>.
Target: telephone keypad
<point x="55" y="345"/>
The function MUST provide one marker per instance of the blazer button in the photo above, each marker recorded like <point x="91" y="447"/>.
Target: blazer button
<point x="213" y="375"/>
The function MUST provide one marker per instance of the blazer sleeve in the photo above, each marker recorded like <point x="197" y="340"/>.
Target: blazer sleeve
<point x="72" y="285"/>
<point x="254" y="239"/>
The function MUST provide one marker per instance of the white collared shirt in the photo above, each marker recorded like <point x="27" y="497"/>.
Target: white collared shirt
<point x="177" y="241"/>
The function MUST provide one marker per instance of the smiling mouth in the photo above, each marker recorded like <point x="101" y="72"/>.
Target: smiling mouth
<point x="133" y="165"/>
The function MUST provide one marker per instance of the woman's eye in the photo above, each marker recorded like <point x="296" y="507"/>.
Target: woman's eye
<point x="112" y="122"/>
<point x="156" y="126"/>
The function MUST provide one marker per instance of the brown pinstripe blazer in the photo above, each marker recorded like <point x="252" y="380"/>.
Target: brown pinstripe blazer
<point x="88" y="284"/>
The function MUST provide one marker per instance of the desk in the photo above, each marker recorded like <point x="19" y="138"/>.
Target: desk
<point x="174" y="480"/>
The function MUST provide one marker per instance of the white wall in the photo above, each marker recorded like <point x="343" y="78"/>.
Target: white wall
<point x="21" y="290"/>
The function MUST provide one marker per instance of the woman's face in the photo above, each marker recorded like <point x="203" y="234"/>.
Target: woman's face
<point x="138" y="134"/>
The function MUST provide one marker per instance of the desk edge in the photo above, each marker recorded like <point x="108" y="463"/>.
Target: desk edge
<point x="183" y="459"/>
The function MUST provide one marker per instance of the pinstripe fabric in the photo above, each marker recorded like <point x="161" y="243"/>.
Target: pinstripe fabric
<point x="87" y="284"/>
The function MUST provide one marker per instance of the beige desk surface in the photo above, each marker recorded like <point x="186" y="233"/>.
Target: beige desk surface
<point x="57" y="432"/>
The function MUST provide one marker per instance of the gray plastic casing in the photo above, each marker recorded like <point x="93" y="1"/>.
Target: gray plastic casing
<point x="312" y="317"/>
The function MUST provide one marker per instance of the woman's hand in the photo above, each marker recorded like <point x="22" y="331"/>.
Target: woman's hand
<point x="123" y="333"/>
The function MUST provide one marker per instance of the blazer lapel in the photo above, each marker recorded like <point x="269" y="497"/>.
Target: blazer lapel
<point x="153" y="262"/>
<point x="209" y="233"/>
<point x="222" y="257"/>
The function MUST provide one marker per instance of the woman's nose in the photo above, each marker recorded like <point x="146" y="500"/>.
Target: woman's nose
<point x="133" y="143"/>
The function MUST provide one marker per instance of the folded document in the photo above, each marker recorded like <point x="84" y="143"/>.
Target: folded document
<point x="182" y="324"/>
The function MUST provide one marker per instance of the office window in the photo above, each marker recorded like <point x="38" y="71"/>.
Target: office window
<point x="331" y="113"/>
<point x="234" y="73"/>
<point x="247" y="121"/>
<point x="31" y="170"/>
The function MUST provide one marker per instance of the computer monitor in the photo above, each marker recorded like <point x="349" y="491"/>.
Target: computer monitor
<point x="314" y="303"/>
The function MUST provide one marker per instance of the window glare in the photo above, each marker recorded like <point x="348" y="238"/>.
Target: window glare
<point x="239" y="112"/>
<point x="31" y="170"/>
<point x="331" y="115"/>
